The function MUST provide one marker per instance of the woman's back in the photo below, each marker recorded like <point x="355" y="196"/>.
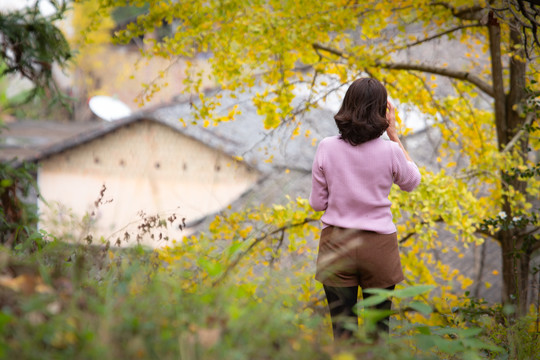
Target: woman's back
<point x="352" y="183"/>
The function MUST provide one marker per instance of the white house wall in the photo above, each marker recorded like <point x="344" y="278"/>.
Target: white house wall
<point x="147" y="167"/>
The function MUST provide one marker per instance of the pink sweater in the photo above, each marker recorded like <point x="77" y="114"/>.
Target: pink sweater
<point x="352" y="183"/>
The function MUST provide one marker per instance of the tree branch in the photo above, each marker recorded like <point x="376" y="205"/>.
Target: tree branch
<point x="512" y="143"/>
<point x="459" y="75"/>
<point x="464" y="13"/>
<point x="532" y="20"/>
<point x="255" y="242"/>
<point x="487" y="234"/>
<point x="407" y="237"/>
<point x="455" y="74"/>
<point x="449" y="31"/>
<point x="339" y="53"/>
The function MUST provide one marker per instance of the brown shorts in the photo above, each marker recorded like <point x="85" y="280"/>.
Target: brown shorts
<point x="349" y="257"/>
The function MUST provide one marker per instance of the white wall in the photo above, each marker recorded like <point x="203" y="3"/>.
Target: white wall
<point x="145" y="167"/>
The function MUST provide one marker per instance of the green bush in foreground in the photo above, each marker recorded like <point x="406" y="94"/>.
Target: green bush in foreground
<point x="81" y="302"/>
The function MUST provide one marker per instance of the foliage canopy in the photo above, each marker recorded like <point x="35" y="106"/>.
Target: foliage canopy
<point x="31" y="44"/>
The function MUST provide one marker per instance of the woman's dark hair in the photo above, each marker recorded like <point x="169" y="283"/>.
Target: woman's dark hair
<point x="362" y="116"/>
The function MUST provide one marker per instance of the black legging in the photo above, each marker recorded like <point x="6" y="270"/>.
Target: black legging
<point x="341" y="302"/>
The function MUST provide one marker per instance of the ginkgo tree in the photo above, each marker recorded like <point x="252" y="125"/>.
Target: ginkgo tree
<point x="480" y="94"/>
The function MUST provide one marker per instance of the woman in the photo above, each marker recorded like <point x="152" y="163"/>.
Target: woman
<point x="351" y="179"/>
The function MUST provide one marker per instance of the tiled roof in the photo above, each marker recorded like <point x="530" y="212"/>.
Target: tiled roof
<point x="245" y="136"/>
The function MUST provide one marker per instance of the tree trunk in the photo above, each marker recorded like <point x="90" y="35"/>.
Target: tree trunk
<point x="499" y="96"/>
<point x="515" y="271"/>
<point x="515" y="255"/>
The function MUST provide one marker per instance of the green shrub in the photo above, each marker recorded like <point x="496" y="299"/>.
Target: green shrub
<point x="73" y="301"/>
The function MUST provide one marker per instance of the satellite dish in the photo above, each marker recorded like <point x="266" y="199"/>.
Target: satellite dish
<point x="108" y="108"/>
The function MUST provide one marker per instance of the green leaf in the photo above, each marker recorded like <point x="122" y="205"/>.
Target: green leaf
<point x="420" y="307"/>
<point x="383" y="292"/>
<point x="211" y="267"/>
<point x="448" y="346"/>
<point x="445" y="331"/>
<point x="509" y="309"/>
<point x="374" y="315"/>
<point x="474" y="343"/>
<point x="234" y="248"/>
<point x="413" y="291"/>
<point x="372" y="301"/>
<point x="466" y="333"/>
<point x="5" y="318"/>
<point x="425" y="342"/>
<point x="425" y="330"/>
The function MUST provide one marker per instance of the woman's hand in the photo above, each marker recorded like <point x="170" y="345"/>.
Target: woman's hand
<point x="391" y="118"/>
<point x="392" y="131"/>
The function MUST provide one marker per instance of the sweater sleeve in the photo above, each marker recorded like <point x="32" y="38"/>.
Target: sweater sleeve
<point x="406" y="174"/>
<point x="318" y="199"/>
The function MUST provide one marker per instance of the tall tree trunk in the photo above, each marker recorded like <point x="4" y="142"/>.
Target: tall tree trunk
<point x="499" y="96"/>
<point x="515" y="271"/>
<point x="515" y="255"/>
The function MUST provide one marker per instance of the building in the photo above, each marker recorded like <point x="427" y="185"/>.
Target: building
<point x="145" y="166"/>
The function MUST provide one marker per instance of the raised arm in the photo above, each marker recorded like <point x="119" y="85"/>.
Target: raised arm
<point x="406" y="173"/>
<point x="392" y="131"/>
